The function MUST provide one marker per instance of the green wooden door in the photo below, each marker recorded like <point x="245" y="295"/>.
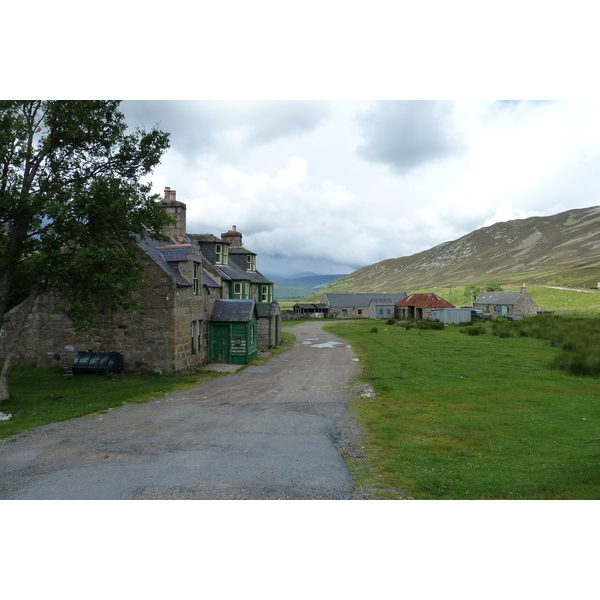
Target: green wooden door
<point x="220" y="343"/>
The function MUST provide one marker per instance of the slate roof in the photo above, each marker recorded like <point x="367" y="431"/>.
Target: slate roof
<point x="205" y="237"/>
<point x="233" y="310"/>
<point x="153" y="250"/>
<point x="425" y="301"/>
<point x="502" y="298"/>
<point x="358" y="300"/>
<point x="175" y="252"/>
<point x="208" y="280"/>
<point x="265" y="309"/>
<point x="240" y="250"/>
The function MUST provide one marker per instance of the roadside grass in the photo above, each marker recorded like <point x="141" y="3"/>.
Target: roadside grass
<point x="472" y="417"/>
<point x="40" y="396"/>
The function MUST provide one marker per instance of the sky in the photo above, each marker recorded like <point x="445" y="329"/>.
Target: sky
<point x="330" y="186"/>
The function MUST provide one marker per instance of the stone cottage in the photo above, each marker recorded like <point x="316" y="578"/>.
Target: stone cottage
<point x="184" y="280"/>
<point x="360" y="305"/>
<point x="503" y="304"/>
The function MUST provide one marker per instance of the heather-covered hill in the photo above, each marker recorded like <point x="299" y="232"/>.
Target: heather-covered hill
<point x="559" y="250"/>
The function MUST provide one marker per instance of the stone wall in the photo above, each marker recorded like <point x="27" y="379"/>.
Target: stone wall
<point x="157" y="337"/>
<point x="351" y="313"/>
<point x="525" y="305"/>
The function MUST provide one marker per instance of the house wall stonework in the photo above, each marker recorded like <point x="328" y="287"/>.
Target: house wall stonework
<point x="170" y="331"/>
<point x="523" y="305"/>
<point x="349" y="313"/>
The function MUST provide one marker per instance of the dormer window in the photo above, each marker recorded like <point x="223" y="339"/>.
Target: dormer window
<point x="221" y="254"/>
<point x="250" y="262"/>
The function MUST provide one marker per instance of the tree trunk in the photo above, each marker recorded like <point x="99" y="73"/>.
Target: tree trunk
<point x="15" y="330"/>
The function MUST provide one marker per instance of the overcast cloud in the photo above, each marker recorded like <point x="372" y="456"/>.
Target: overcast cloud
<point x="330" y="187"/>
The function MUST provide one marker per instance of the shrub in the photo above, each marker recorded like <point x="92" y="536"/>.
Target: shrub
<point x="436" y="325"/>
<point x="473" y="330"/>
<point x="374" y="330"/>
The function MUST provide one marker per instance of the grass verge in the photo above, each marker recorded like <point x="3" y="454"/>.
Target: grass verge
<point x="458" y="416"/>
<point x="43" y="396"/>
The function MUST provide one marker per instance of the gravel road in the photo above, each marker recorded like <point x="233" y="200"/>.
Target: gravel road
<point x="271" y="432"/>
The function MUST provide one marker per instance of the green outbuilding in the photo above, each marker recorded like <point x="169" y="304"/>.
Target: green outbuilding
<point x="233" y="336"/>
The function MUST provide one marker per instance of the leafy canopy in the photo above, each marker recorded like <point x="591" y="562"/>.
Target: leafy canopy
<point x="73" y="205"/>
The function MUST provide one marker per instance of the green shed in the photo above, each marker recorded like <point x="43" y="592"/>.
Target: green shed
<point x="233" y="332"/>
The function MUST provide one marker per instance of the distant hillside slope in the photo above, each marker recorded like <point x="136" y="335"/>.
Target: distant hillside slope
<point x="301" y="285"/>
<point x="562" y="249"/>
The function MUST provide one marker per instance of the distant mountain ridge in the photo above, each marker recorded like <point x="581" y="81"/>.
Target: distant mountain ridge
<point x="562" y="249"/>
<point x="301" y="285"/>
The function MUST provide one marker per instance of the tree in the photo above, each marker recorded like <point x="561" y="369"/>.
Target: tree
<point x="471" y="292"/>
<point x="493" y="286"/>
<point x="72" y="207"/>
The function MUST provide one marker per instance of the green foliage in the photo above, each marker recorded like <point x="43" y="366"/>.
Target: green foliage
<point x="579" y="340"/>
<point x="471" y="292"/>
<point x="493" y="286"/>
<point x="72" y="204"/>
<point x="374" y="330"/>
<point x="432" y="325"/>
<point x="456" y="417"/>
<point x="43" y="396"/>
<point x="473" y="330"/>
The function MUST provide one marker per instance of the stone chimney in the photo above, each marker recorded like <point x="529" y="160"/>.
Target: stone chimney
<point x="523" y="289"/>
<point x="483" y="289"/>
<point x="174" y="209"/>
<point x="233" y="237"/>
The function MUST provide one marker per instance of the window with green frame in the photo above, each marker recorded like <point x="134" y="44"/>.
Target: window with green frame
<point x="221" y="254"/>
<point x="266" y="293"/>
<point x="239" y="290"/>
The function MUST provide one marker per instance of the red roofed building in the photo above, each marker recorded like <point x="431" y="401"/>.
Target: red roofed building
<point x="419" y="306"/>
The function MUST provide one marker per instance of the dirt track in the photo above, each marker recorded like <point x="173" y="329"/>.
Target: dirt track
<point x="271" y="432"/>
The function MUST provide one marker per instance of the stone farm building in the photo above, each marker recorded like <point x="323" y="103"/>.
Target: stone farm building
<point x="420" y="306"/>
<point x="357" y="306"/>
<point x="202" y="300"/>
<point x="502" y="304"/>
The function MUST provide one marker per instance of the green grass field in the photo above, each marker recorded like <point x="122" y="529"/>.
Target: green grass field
<point x="43" y="396"/>
<point x="472" y="417"/>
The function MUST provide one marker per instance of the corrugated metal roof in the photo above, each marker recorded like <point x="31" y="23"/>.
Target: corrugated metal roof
<point x="425" y="301"/>
<point x="503" y="298"/>
<point x="233" y="310"/>
<point x="358" y="300"/>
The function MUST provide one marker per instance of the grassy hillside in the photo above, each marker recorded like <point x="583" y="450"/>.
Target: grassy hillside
<point x="558" y="251"/>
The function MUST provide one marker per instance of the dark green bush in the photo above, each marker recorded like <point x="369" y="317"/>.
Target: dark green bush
<point x="430" y="325"/>
<point x="474" y="330"/>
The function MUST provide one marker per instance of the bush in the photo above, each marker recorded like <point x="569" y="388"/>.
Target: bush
<point x="474" y="330"/>
<point x="436" y="325"/>
<point x="374" y="330"/>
